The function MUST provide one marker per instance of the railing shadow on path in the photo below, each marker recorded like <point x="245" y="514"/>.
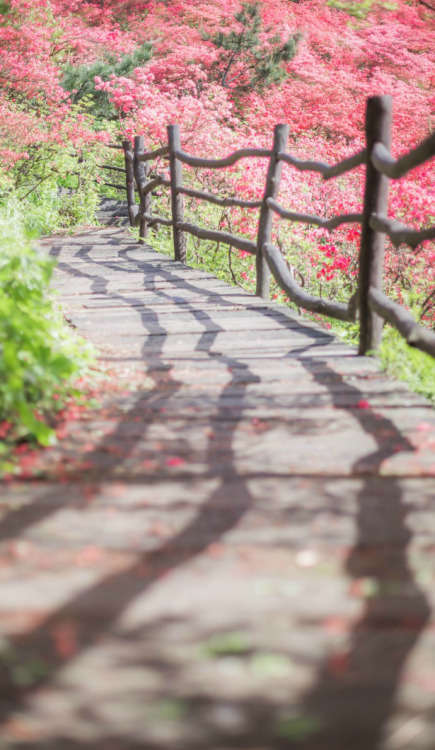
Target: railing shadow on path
<point x="353" y="709"/>
<point x="16" y="522"/>
<point x="341" y="704"/>
<point x="215" y="518"/>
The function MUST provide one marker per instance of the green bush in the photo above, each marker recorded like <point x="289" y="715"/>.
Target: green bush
<point x="406" y="363"/>
<point x="80" y="81"/>
<point x="55" y="188"/>
<point x="39" y="356"/>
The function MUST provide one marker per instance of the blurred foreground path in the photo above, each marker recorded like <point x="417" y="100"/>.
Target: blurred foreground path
<point x="244" y="555"/>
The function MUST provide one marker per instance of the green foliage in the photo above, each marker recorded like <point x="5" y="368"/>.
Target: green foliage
<point x="416" y="368"/>
<point x="168" y="711"/>
<point x="361" y="8"/>
<point x="80" y="81"/>
<point x="397" y="358"/>
<point x="39" y="356"/>
<point x="53" y="189"/>
<point x="269" y="664"/>
<point x="219" y="259"/>
<point x="56" y="187"/>
<point x="224" y="644"/>
<point x="406" y="363"/>
<point x="247" y="62"/>
<point x="297" y="727"/>
<point x="224" y="262"/>
<point x="4" y="8"/>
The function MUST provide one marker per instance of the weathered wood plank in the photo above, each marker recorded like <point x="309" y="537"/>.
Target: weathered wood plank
<point x="255" y="519"/>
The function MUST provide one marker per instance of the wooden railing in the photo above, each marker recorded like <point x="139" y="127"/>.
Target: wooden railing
<point x="369" y="305"/>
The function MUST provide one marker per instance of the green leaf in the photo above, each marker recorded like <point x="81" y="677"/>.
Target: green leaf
<point x="298" y="727"/>
<point x="223" y="644"/>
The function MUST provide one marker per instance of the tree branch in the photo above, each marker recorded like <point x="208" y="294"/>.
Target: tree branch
<point x="427" y="5"/>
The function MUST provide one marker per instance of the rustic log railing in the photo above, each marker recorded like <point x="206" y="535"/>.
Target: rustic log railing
<point x="368" y="304"/>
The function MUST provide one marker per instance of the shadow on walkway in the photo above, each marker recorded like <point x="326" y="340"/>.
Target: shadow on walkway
<point x="346" y="709"/>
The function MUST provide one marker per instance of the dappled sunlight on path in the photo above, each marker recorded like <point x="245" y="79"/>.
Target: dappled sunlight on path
<point x="241" y="551"/>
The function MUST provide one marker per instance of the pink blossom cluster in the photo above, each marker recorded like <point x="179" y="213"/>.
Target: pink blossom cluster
<point x="338" y="64"/>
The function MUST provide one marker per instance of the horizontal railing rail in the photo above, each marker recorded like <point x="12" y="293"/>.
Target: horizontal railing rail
<point x="400" y="234"/>
<point x="113" y="168"/>
<point x="297" y="294"/>
<point x="114" y="185"/>
<point x="329" y="224"/>
<point x="228" y="161"/>
<point x="326" y="170"/>
<point x="369" y="304"/>
<point x="395" y="168"/>
<point x="226" y="202"/>
<point x="216" y="236"/>
<point x="151" y="155"/>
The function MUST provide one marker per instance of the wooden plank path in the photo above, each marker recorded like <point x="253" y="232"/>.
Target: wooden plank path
<point x="244" y="553"/>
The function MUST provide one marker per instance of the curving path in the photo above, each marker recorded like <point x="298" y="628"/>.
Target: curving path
<point x="241" y="553"/>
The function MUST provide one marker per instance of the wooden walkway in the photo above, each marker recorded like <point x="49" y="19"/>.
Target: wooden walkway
<point x="244" y="554"/>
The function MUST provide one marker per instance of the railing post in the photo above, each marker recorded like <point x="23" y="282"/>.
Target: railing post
<point x="129" y="178"/>
<point x="264" y="233"/>
<point x="371" y="259"/>
<point x="141" y="172"/>
<point x="177" y="200"/>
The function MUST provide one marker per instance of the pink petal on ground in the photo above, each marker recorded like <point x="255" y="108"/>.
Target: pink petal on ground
<point x="362" y="404"/>
<point x="175" y="461"/>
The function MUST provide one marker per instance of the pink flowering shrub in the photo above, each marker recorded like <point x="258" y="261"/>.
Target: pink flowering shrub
<point x="340" y="60"/>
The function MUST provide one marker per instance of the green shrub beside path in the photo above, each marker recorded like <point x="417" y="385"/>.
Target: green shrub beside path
<point x="40" y="357"/>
